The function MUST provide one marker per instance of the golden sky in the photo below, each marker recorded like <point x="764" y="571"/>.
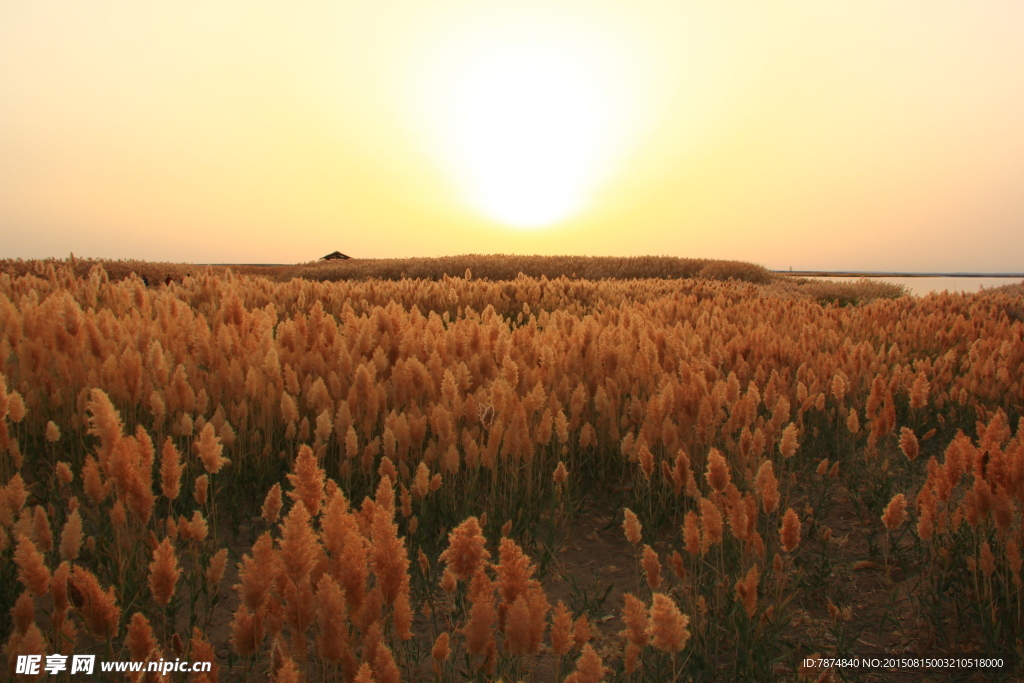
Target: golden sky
<point x="818" y="135"/>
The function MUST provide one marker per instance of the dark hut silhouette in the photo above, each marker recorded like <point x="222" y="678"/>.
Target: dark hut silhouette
<point x="335" y="256"/>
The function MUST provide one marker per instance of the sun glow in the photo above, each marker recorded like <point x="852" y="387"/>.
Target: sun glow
<point x="527" y="136"/>
<point x="528" y="118"/>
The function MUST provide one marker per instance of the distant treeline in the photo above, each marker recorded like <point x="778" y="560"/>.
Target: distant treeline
<point x="494" y="267"/>
<point x="508" y="267"/>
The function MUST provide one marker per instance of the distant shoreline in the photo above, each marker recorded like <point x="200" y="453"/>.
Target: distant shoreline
<point x="851" y="273"/>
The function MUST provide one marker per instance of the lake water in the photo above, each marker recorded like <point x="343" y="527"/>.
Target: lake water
<point x="924" y="285"/>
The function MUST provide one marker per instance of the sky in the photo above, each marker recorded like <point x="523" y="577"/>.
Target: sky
<point x="831" y="135"/>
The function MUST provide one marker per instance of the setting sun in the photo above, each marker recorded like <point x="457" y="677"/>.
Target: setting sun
<point x="525" y="138"/>
<point x="528" y="115"/>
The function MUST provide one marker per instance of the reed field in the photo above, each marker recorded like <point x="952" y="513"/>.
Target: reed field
<point x="506" y="469"/>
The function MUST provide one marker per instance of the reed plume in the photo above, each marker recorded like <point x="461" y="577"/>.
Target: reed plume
<point x="257" y="572"/>
<point x="789" y="532"/>
<point x="746" y="590"/>
<point x="98" y="608"/>
<point x="210" y="450"/>
<point x="288" y="672"/>
<point x="853" y="422"/>
<point x="95" y="488"/>
<point x="139" y="641"/>
<point x="581" y="632"/>
<point x="561" y="630"/>
<point x="170" y="470"/>
<point x="64" y="474"/>
<point x="561" y="474"/>
<point x="201" y="489"/>
<point x="691" y="533"/>
<point x="909" y="444"/>
<point x="589" y="668"/>
<point x="298" y="544"/>
<point x="717" y="474"/>
<point x="163" y="572"/>
<point x="517" y="627"/>
<point x="59" y="593"/>
<point x="788" y="443"/>
<point x="23" y="614"/>
<point x="668" y="625"/>
<point x="200" y="650"/>
<point x="388" y="557"/>
<point x="635" y="617"/>
<point x="71" y="536"/>
<point x="652" y="567"/>
<point x="439" y="652"/>
<point x="272" y="505"/>
<point x="646" y="460"/>
<point x="215" y="569"/>
<point x="711" y="525"/>
<point x="32" y="570"/>
<point x="41" y="530"/>
<point x="919" y="392"/>
<point x="307" y="481"/>
<point x="246" y="632"/>
<point x="466" y="552"/>
<point x="478" y="630"/>
<point x="31" y="642"/>
<point x="767" y="487"/>
<point x="632" y="528"/>
<point x="365" y="674"/>
<point x="895" y="512"/>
